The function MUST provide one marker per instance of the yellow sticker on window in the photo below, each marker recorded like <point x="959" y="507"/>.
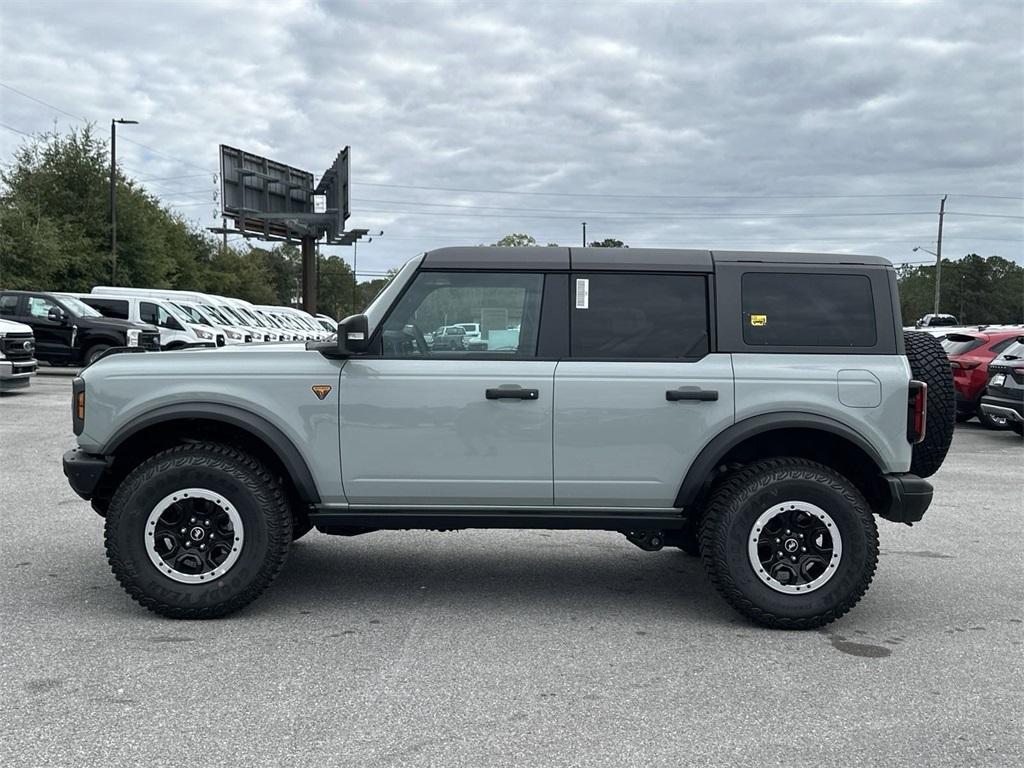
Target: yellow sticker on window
<point x="759" y="319"/>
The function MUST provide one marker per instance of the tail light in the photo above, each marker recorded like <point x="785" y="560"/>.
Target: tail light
<point x="965" y="365"/>
<point x="917" y="411"/>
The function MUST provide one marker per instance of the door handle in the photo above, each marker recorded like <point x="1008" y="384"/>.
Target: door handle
<point x="511" y="393"/>
<point x="692" y="393"/>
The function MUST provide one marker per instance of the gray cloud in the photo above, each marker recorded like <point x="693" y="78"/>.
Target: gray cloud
<point x="701" y="99"/>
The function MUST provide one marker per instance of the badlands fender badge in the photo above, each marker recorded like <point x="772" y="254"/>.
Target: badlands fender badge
<point x="321" y="390"/>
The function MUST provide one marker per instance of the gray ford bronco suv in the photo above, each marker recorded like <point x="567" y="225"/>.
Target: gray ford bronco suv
<point x="757" y="409"/>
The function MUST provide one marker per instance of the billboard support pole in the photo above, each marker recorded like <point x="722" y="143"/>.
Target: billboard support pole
<point x="309" y="274"/>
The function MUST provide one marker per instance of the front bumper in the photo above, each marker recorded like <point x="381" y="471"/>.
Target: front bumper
<point x="83" y="471"/>
<point x="1003" y="407"/>
<point x="909" y="497"/>
<point x="15" y="374"/>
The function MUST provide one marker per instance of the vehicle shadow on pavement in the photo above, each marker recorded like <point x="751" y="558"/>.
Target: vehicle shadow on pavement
<point x="596" y="575"/>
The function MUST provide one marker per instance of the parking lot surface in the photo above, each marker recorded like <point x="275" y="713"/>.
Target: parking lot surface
<point x="524" y="648"/>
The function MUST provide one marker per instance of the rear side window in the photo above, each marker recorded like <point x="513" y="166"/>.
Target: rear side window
<point x="960" y="344"/>
<point x="638" y="317"/>
<point x="8" y="305"/>
<point x="807" y="310"/>
<point x="109" y="307"/>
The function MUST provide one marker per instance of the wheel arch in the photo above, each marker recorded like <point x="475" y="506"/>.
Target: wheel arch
<point x="148" y="432"/>
<point x="810" y="436"/>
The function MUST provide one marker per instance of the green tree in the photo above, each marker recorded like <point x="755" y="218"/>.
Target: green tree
<point x="516" y="241"/>
<point x="608" y="242"/>
<point x="975" y="289"/>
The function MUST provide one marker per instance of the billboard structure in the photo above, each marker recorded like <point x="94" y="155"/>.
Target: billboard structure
<point x="270" y="200"/>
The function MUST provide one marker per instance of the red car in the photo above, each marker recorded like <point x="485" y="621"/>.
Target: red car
<point x="969" y="354"/>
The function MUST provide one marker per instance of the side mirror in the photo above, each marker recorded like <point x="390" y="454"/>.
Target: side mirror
<point x="56" y="315"/>
<point x="353" y="335"/>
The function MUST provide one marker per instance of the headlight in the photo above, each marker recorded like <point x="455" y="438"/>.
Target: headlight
<point x="133" y="337"/>
<point x="202" y="334"/>
<point x="232" y="334"/>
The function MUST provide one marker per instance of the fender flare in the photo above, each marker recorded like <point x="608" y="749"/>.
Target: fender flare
<point x="713" y="453"/>
<point x="285" y="450"/>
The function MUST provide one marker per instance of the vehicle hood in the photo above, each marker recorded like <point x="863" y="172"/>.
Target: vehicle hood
<point x="114" y="324"/>
<point x="9" y="326"/>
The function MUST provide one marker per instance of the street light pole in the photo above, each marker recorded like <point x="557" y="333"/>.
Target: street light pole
<point x="584" y="234"/>
<point x="938" y="254"/>
<point x="113" y="194"/>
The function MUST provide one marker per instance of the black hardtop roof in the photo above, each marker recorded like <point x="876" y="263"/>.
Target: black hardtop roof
<point x="643" y="259"/>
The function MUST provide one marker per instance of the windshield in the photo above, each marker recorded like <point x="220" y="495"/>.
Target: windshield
<point x="78" y="306"/>
<point x="230" y="315"/>
<point x="177" y="312"/>
<point x="249" y="317"/>
<point x="194" y="315"/>
<point x="214" y="313"/>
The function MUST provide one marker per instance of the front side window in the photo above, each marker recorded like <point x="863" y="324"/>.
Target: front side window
<point x="504" y="306"/>
<point x="807" y="310"/>
<point x="638" y="317"/>
<point x="39" y="308"/>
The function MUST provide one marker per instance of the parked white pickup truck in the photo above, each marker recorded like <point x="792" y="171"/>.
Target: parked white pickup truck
<point x="17" y="361"/>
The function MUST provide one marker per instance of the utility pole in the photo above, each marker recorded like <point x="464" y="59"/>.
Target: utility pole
<point x="113" y="194"/>
<point x="309" y="273"/>
<point x="938" y="255"/>
<point x="584" y="234"/>
<point x="355" y="274"/>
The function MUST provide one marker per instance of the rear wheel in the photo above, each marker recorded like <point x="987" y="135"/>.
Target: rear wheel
<point x="789" y="543"/>
<point x="197" y="531"/>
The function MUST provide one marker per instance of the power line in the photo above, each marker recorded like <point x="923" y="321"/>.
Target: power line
<point x="672" y="197"/>
<point x="44" y="103"/>
<point x="86" y="120"/>
<point x="666" y="213"/>
<point x="641" y="215"/>
<point x="9" y="128"/>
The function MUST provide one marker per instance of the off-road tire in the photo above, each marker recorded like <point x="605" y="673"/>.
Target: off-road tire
<point x="738" y="502"/>
<point x="928" y="363"/>
<point x="93" y="352"/>
<point x="246" y="483"/>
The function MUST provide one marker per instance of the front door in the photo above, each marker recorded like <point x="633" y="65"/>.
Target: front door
<point x="53" y="338"/>
<point x="452" y="426"/>
<point x="640" y="394"/>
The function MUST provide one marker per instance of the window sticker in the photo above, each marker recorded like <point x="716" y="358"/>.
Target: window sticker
<point x="758" y="320"/>
<point x="582" y="293"/>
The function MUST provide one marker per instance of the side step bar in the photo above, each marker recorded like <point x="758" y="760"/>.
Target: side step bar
<point x="334" y="520"/>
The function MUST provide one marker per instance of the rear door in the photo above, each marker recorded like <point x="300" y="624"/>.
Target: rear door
<point x="425" y="426"/>
<point x="641" y="392"/>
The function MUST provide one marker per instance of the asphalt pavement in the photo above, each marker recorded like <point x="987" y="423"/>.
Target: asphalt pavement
<point x="506" y="648"/>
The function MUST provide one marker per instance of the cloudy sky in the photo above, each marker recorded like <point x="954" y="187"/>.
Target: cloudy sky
<point x="831" y="126"/>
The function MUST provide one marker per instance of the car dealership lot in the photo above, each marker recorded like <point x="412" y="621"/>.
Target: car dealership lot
<point x="507" y="647"/>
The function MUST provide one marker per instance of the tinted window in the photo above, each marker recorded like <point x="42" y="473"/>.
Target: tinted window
<point x="156" y="315"/>
<point x="8" y="305"/>
<point x="636" y="317"/>
<point x="1004" y="344"/>
<point x="505" y="306"/>
<point x="807" y="310"/>
<point x="959" y="344"/>
<point x="109" y="307"/>
<point x="1013" y="352"/>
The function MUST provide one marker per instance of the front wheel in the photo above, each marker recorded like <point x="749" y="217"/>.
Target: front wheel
<point x="789" y="543"/>
<point x="198" y="531"/>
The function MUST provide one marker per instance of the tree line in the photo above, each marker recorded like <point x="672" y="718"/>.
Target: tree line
<point x="55" y="235"/>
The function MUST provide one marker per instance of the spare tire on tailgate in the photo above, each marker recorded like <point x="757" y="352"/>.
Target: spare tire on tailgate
<point x="928" y="363"/>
